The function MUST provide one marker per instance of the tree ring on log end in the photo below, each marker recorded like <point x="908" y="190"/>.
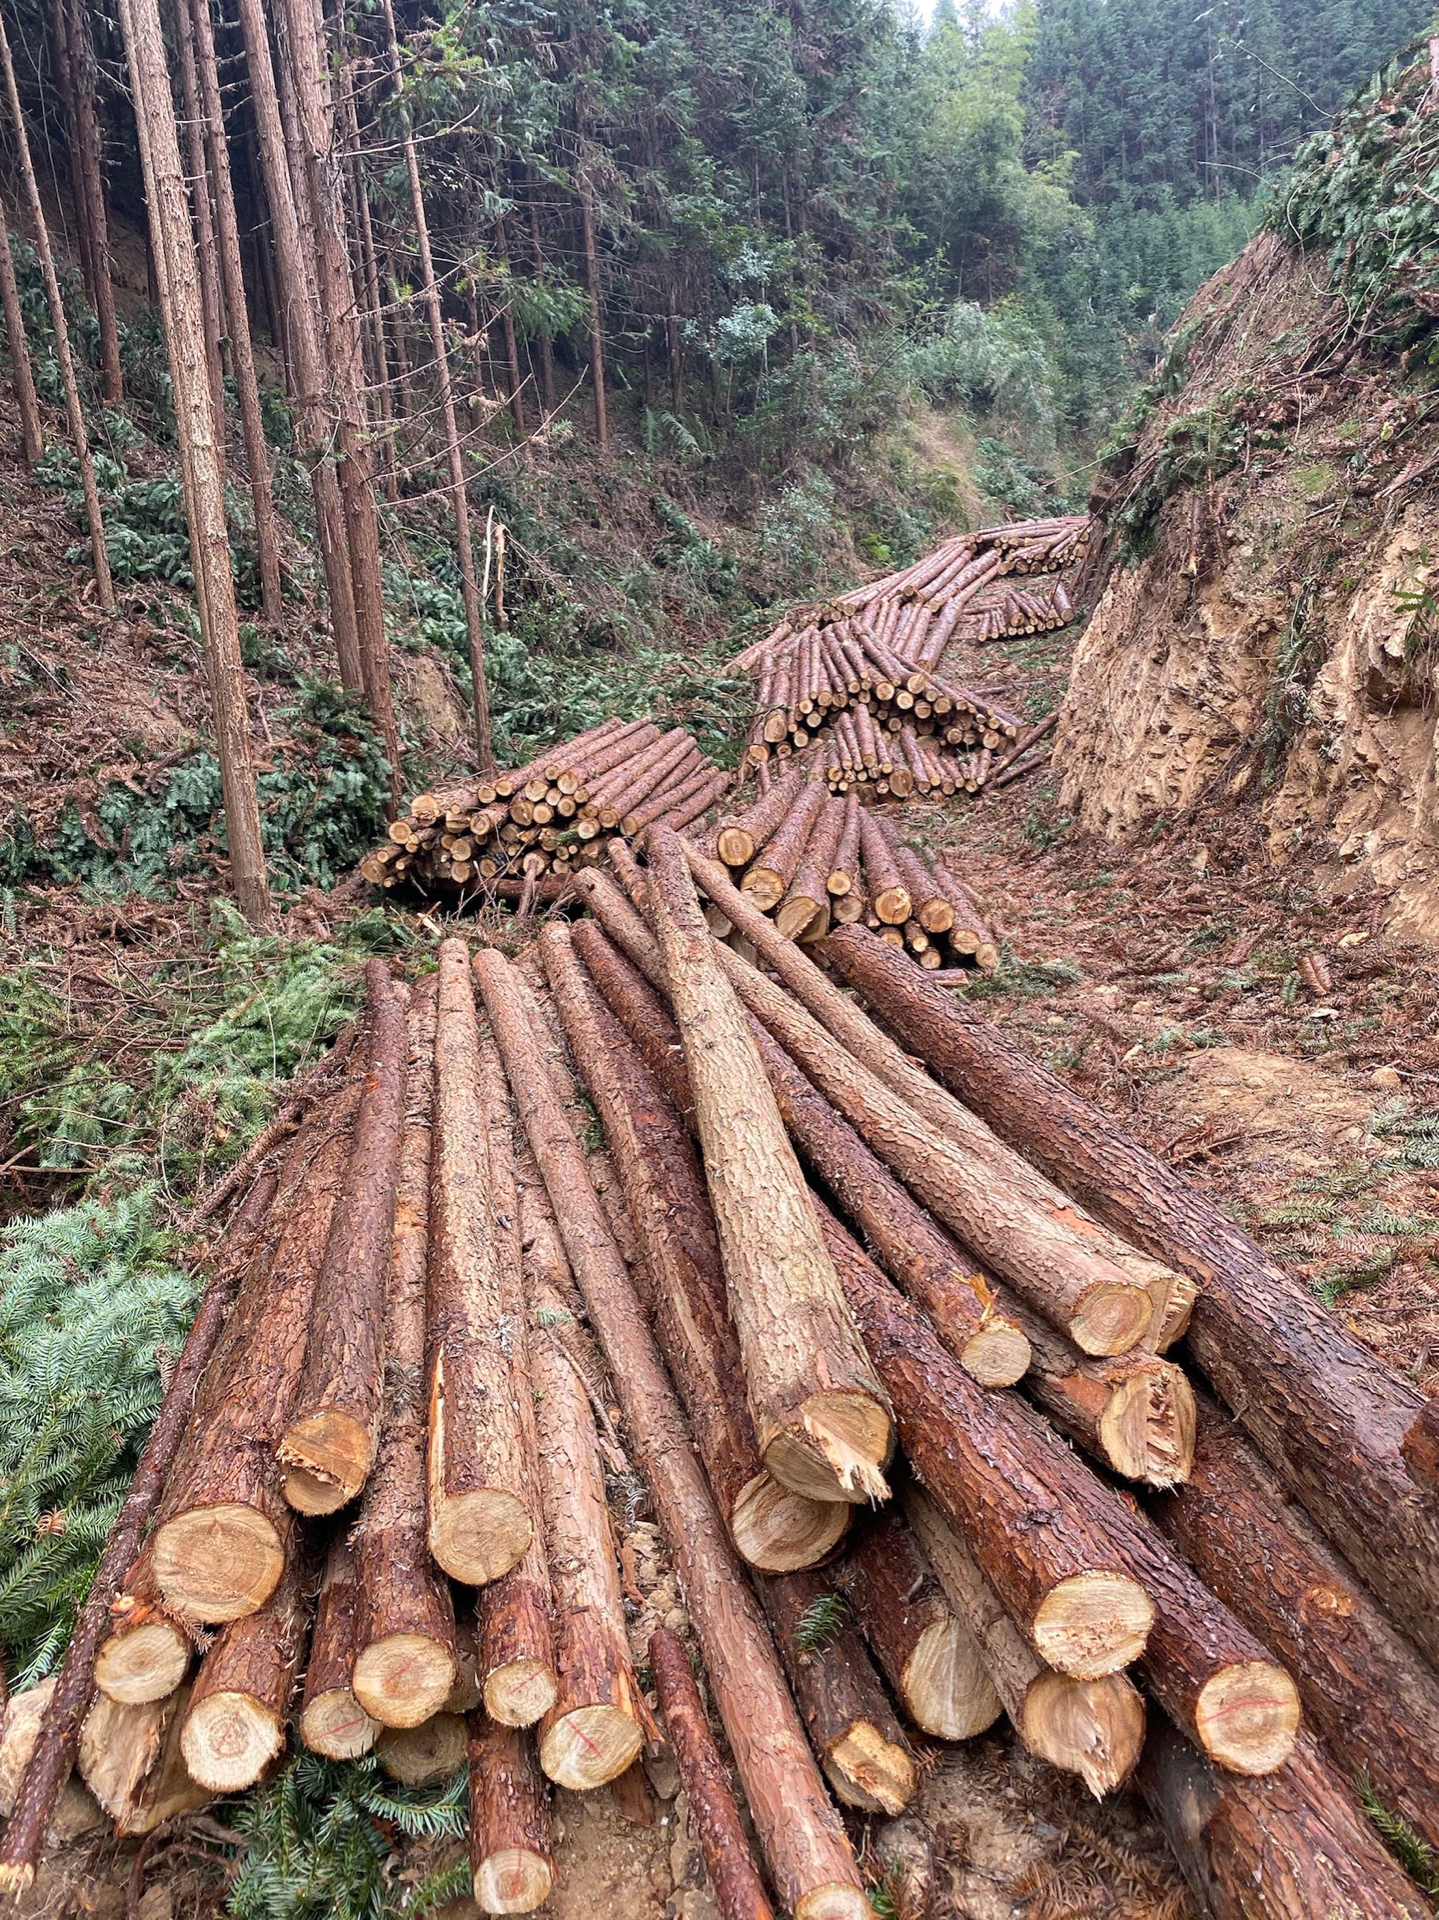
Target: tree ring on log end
<point x="228" y="1740"/>
<point x="327" y="1458"/>
<point x="1094" y="1728"/>
<point x="1092" y="1624"/>
<point x="780" y="1531"/>
<point x="218" y="1563"/>
<point x="997" y="1355"/>
<point x="947" y="1690"/>
<point x="585" y="1748"/>
<point x="404" y="1678"/>
<point x="1112" y="1317"/>
<point x="336" y="1725"/>
<point x="1147" y="1429"/>
<point x="142" y="1664"/>
<point x="839" y="1451"/>
<point x="875" y="1766"/>
<point x="520" y="1693"/>
<point x="513" y="1880"/>
<point x="834" y="1902"/>
<point x="478" y="1536"/>
<point x="1247" y="1717"/>
<point x="416" y="1755"/>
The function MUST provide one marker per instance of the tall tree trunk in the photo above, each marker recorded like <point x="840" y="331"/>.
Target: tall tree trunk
<point x="592" y="289"/>
<point x="512" y="349"/>
<point x="242" y="356"/>
<point x="199" y="450"/>
<point x="212" y="308"/>
<point x="542" y="338"/>
<point x="374" y="313"/>
<point x="298" y="305"/>
<point x="104" y="591"/>
<point x="459" y="499"/>
<point x="321" y="180"/>
<point x="22" y="374"/>
<point x="90" y="184"/>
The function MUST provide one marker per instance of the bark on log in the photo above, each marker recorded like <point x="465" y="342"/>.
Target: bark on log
<point x="774" y="865"/>
<point x="404" y="1629"/>
<point x="819" y="1411"/>
<point x="809" y="1857"/>
<point x="1292" y="1846"/>
<point x="1319" y="1406"/>
<point x="328" y="1448"/>
<point x="480" y="1521"/>
<point x="1421" y="1445"/>
<point x="734" y="1879"/>
<point x="736" y="838"/>
<point x="924" y="1647"/>
<point x="235" y="1724"/>
<point x="919" y="1255"/>
<point x="1094" y="1728"/>
<point x="861" y="1745"/>
<point x="332" y="1721"/>
<point x="888" y="895"/>
<point x="664" y="1191"/>
<point x="1368" y="1692"/>
<point x="511" y="1841"/>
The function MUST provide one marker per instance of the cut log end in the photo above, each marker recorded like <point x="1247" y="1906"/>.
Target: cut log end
<point x="1092" y="1624"/>
<point x="515" y="1880"/>
<point x="584" y="1749"/>
<point x="838" y="1452"/>
<point x="1247" y="1717"/>
<point x="228" y="1741"/>
<point x="218" y="1563"/>
<point x="837" y="1902"/>
<point x="1112" y="1318"/>
<point x="997" y="1355"/>
<point x="336" y="1725"/>
<point x="417" y="1755"/>
<point x="1147" y="1429"/>
<point x="780" y="1531"/>
<point x="142" y="1664"/>
<point x="327" y="1458"/>
<point x="404" y="1678"/>
<point x="946" y="1688"/>
<point x="1094" y="1728"/>
<point x="520" y="1693"/>
<point x="478" y="1536"/>
<point x="871" y="1772"/>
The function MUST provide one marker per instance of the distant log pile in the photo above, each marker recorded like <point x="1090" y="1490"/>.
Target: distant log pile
<point x="860" y="679"/>
<point x="522" y="834"/>
<point x="824" y="1270"/>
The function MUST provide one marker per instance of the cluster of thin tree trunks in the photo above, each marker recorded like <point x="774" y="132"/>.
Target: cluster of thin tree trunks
<point x="892" y="1318"/>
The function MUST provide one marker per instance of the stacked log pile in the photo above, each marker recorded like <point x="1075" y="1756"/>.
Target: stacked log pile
<point x="860" y="679"/>
<point x="520" y="835"/>
<point x="890" y="1315"/>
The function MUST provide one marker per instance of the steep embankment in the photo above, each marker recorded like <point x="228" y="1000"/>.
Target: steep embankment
<point x="1268" y="632"/>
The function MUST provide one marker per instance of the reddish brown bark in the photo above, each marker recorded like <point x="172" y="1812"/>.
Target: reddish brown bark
<point x="235" y="1724"/>
<point x="511" y="1840"/>
<point x="332" y="1721"/>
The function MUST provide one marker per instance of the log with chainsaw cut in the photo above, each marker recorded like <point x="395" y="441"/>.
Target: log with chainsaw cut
<point x="888" y="895"/>
<point x="480" y="1515"/>
<point x="736" y="838"/>
<point x="665" y="1194"/>
<point x="239" y="1705"/>
<point x="332" y="1721"/>
<point x="773" y="867"/>
<point x="819" y="1412"/>
<point x="512" y="1859"/>
<point x="810" y="1860"/>
<point x="130" y="1759"/>
<point x="804" y="911"/>
<point x="404" y="1630"/>
<point x="1320" y="1407"/>
<point x="328" y="1447"/>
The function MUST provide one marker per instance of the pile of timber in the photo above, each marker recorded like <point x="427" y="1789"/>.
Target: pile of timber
<point x="815" y="860"/>
<point x="890" y="1316"/>
<point x="520" y="834"/>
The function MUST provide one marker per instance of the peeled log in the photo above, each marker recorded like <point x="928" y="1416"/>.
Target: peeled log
<point x="332" y="1721"/>
<point x="665" y="1194"/>
<point x="480" y="1521"/>
<point x="819" y="1411"/>
<point x="511" y="1841"/>
<point x="861" y="1746"/>
<point x="1094" y="1728"/>
<point x="1320" y="1407"/>
<point x="404" y="1627"/>
<point x="1292" y="1846"/>
<point x="734" y="1879"/>
<point x="328" y="1447"/>
<point x="1369" y="1693"/>
<point x="926" y="1650"/>
<point x="235" y="1724"/>
<point x="803" y="1839"/>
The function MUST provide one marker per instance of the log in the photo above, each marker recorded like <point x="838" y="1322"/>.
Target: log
<point x="220" y="1546"/>
<point x="888" y="895"/>
<point x="130" y="1759"/>
<point x="1094" y="1728"/>
<point x="404" y="1647"/>
<point x="1372" y="1697"/>
<point x="1320" y="1407"/>
<point x="734" y="1879"/>
<point x="924" y="1647"/>
<point x="1421" y="1445"/>
<point x="737" y="837"/>
<point x="1292" y="1846"/>
<point x="516" y="1654"/>
<point x="592" y="1732"/>
<point x="511" y="1841"/>
<point x="332" y="1721"/>
<point x="842" y="879"/>
<point x="681" y="1272"/>
<point x="861" y="1745"/>
<point x="1134" y="1412"/>
<point x="418" y="1756"/>
<point x="932" y="1270"/>
<point x="328" y="1447"/>
<point x="147" y="1653"/>
<point x="773" y="867"/>
<point x="810" y="1860"/>
<point x="819" y="1411"/>
<point x="804" y="911"/>
<point x="235" y="1723"/>
<point x="480" y="1521"/>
